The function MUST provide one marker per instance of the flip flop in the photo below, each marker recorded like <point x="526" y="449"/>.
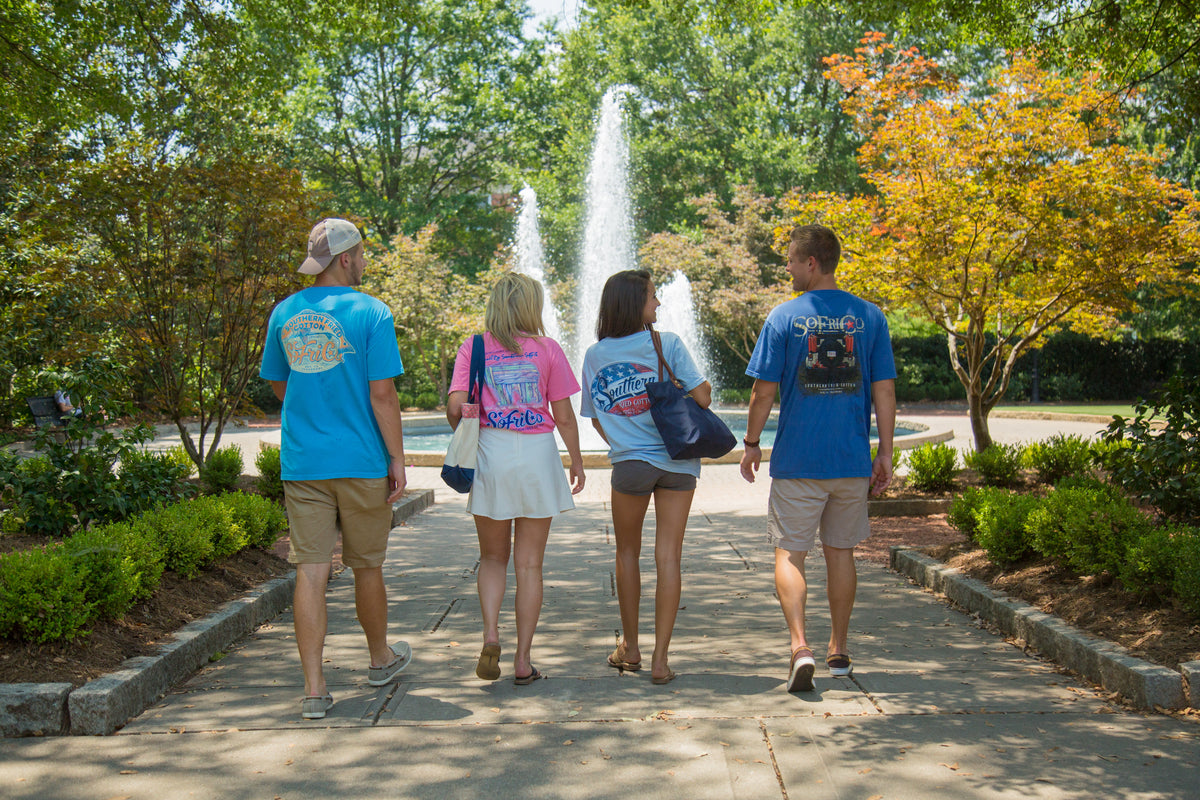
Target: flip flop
<point x="530" y="678"/>
<point x="663" y="680"/>
<point x="617" y="662"/>
<point x="488" y="667"/>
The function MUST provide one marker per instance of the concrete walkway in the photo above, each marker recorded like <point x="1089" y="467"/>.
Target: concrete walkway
<point x="937" y="707"/>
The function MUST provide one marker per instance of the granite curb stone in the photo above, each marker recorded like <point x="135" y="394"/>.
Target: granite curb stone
<point x="102" y="705"/>
<point x="33" y="709"/>
<point x="1191" y="675"/>
<point x="1140" y="682"/>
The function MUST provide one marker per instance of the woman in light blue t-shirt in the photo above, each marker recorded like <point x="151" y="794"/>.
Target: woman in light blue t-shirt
<point x="615" y="372"/>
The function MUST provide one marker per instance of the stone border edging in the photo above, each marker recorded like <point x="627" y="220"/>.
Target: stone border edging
<point x="1144" y="684"/>
<point x="102" y="705"/>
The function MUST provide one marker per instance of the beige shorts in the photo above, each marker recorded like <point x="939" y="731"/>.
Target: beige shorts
<point x="800" y="507"/>
<point x="318" y="509"/>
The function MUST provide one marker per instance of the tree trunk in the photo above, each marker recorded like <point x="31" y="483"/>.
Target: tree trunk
<point x="979" y="421"/>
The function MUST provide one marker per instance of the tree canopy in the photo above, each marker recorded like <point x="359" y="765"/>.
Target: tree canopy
<point x="1002" y="212"/>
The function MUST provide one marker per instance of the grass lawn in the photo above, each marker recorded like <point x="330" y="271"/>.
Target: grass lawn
<point x="1100" y="409"/>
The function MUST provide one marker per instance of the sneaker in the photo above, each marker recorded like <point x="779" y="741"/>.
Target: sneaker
<point x="800" y="675"/>
<point x="839" y="665"/>
<point x="315" y="707"/>
<point x="381" y="676"/>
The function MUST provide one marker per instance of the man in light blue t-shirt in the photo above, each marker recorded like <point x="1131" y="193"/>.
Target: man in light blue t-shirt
<point x="829" y="355"/>
<point x="330" y="356"/>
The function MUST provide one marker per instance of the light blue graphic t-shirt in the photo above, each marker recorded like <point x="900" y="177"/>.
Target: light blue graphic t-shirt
<point x="615" y="374"/>
<point x="825" y="348"/>
<point x="328" y="343"/>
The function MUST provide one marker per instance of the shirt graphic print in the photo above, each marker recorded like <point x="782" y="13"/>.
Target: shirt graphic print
<point x="314" y="342"/>
<point x="515" y="382"/>
<point x="831" y="362"/>
<point x="621" y="389"/>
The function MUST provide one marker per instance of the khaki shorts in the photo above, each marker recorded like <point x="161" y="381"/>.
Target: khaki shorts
<point x="317" y="509"/>
<point x="800" y="507"/>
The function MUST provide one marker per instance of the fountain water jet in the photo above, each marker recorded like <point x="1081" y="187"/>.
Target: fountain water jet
<point x="678" y="315"/>
<point x="608" y="234"/>
<point x="530" y="258"/>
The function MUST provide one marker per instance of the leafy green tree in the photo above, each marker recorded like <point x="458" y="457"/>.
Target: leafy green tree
<point x="410" y="110"/>
<point x="434" y="308"/>
<point x="196" y="251"/>
<point x="1004" y="214"/>
<point x="708" y="110"/>
<point x="731" y="265"/>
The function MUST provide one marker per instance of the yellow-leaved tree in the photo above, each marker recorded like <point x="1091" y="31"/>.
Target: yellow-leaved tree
<point x="1004" y="211"/>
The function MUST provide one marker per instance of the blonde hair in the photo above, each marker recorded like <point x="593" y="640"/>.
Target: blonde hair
<point x="514" y="308"/>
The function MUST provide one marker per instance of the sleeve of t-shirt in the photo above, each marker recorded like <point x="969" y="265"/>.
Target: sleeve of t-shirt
<point x="681" y="362"/>
<point x="383" y="351"/>
<point x="586" y="409"/>
<point x="460" y="381"/>
<point x="560" y="378"/>
<point x="769" y="358"/>
<point x="274" y="365"/>
<point x="883" y="363"/>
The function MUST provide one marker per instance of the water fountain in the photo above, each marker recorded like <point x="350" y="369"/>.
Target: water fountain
<point x="608" y="233"/>
<point x="678" y="315"/>
<point x="530" y="258"/>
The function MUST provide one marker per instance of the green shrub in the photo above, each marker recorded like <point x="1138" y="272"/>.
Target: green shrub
<point x="1149" y="562"/>
<point x="32" y="490"/>
<point x="140" y="549"/>
<point x="148" y="479"/>
<point x="1088" y="529"/>
<point x="997" y="464"/>
<point x="932" y="467"/>
<point x="1000" y="524"/>
<point x="1058" y="457"/>
<point x="1105" y="450"/>
<point x="42" y="595"/>
<point x="217" y="517"/>
<point x="426" y="400"/>
<point x="269" y="482"/>
<point x="111" y="561"/>
<point x="406" y="399"/>
<point x="186" y="546"/>
<point x="261" y="520"/>
<point x="1161" y="466"/>
<point x="1186" y="546"/>
<point x="962" y="510"/>
<point x="179" y="456"/>
<point x="222" y="469"/>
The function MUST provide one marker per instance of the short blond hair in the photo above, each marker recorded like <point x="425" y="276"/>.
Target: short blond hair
<point x="514" y="309"/>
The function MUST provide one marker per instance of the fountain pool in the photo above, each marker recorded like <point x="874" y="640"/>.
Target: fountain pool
<point x="426" y="438"/>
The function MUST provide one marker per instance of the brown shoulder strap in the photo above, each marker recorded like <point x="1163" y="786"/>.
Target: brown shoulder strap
<point x="662" y="361"/>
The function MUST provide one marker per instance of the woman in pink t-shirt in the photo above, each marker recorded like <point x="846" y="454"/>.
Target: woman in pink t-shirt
<point x="519" y="483"/>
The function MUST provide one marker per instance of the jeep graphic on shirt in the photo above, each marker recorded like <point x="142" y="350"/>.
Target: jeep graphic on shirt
<point x="830" y="362"/>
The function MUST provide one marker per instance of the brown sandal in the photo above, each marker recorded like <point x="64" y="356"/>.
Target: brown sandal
<point x="488" y="667"/>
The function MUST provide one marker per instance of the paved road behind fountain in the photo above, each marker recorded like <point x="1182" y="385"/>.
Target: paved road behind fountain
<point x="937" y="707"/>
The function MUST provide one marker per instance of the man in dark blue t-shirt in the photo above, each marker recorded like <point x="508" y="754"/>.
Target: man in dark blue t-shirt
<point x="828" y="354"/>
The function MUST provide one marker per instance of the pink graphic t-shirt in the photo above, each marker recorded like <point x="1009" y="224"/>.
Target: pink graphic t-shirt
<point x="518" y="388"/>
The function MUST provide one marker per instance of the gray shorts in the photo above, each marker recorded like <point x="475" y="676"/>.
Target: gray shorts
<point x="799" y="507"/>
<point x="641" y="478"/>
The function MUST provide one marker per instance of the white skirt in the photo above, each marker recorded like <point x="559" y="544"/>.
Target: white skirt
<point x="518" y="475"/>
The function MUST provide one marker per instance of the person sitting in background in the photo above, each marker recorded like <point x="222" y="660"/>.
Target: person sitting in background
<point x="63" y="401"/>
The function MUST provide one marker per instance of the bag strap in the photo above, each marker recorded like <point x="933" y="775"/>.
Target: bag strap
<point x="475" y="385"/>
<point x="662" y="361"/>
